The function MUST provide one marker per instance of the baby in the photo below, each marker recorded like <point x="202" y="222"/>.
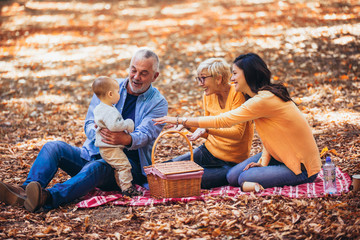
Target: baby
<point x="107" y="116"/>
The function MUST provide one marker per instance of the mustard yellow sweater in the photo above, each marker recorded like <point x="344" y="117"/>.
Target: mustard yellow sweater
<point x="229" y="144"/>
<point x="283" y="129"/>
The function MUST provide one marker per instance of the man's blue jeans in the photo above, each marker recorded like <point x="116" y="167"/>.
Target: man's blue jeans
<point x="276" y="174"/>
<point x="85" y="175"/>
<point x="215" y="169"/>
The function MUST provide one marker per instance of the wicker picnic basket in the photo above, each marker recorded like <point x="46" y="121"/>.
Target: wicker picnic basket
<point x="174" y="179"/>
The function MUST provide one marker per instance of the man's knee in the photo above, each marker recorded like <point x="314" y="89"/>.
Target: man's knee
<point x="54" y="146"/>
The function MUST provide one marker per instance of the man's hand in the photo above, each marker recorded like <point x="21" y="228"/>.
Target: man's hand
<point x="115" y="138"/>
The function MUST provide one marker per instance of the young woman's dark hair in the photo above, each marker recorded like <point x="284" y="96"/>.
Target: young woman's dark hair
<point x="257" y="76"/>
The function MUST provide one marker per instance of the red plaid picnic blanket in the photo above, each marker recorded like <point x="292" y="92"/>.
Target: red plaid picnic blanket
<point x="307" y="190"/>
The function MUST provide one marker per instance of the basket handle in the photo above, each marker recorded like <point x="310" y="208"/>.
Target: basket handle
<point x="171" y="132"/>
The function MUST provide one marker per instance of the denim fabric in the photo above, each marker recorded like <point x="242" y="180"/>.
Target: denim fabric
<point x="85" y="174"/>
<point x="215" y="169"/>
<point x="149" y="105"/>
<point x="276" y="174"/>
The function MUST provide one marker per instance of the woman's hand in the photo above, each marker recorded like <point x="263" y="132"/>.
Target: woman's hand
<point x="187" y="122"/>
<point x="195" y="135"/>
<point x="179" y="127"/>
<point x="253" y="164"/>
<point x="165" y="119"/>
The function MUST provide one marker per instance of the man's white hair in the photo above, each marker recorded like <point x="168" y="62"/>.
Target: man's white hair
<point x="147" y="53"/>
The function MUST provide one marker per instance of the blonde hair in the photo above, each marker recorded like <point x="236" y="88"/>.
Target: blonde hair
<point x="102" y="85"/>
<point x="216" y="67"/>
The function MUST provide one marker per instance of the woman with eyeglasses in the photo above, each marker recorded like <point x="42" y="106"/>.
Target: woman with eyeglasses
<point x="290" y="155"/>
<point x="224" y="147"/>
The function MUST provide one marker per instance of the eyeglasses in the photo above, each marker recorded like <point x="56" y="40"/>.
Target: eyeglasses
<point x="202" y="79"/>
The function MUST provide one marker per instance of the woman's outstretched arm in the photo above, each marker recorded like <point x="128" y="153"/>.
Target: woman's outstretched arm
<point x="187" y="122"/>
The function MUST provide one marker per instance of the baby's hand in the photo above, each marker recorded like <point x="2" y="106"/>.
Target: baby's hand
<point x="130" y="125"/>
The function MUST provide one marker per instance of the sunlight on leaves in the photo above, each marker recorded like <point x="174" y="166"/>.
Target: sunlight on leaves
<point x="54" y="39"/>
<point x="344" y="40"/>
<point x="72" y="6"/>
<point x="335" y="16"/>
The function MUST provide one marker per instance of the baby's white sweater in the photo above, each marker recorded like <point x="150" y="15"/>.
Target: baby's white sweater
<point x="109" y="117"/>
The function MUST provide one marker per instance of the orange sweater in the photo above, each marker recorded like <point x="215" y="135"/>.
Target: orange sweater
<point x="229" y="144"/>
<point x="284" y="131"/>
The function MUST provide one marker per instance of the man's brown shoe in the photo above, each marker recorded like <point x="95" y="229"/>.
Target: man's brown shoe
<point x="12" y="195"/>
<point x="36" y="196"/>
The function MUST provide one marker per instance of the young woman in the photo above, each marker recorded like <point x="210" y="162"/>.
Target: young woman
<point x="290" y="155"/>
<point x="224" y="147"/>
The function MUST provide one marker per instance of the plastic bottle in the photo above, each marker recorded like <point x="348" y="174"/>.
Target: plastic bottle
<point x="329" y="176"/>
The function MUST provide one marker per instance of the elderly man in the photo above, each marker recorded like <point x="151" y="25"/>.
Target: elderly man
<point x="139" y="101"/>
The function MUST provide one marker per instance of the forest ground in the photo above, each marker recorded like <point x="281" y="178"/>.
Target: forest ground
<point x="52" y="50"/>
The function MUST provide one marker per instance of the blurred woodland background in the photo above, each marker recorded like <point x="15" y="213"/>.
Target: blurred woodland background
<point x="51" y="51"/>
